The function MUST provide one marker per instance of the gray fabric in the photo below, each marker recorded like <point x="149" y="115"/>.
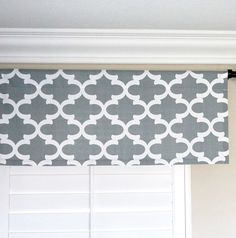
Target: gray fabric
<point x="93" y="117"/>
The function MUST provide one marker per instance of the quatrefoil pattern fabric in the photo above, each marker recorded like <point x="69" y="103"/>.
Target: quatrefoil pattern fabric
<point x="108" y="117"/>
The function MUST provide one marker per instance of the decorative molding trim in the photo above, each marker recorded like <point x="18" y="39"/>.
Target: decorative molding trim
<point x="111" y="46"/>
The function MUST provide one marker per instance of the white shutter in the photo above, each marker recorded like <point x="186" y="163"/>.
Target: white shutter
<point x="131" y="202"/>
<point x="95" y="202"/>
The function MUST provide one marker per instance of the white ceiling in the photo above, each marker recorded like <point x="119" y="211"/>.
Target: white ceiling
<point x="139" y="14"/>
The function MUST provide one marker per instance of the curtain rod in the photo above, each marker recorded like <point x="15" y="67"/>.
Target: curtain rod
<point x="231" y="74"/>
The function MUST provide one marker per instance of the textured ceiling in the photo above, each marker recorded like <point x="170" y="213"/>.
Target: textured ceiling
<point x="139" y="14"/>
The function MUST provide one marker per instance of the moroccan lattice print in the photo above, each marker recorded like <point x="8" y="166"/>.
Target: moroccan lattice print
<point x="108" y="117"/>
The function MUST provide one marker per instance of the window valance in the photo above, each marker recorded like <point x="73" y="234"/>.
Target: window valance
<point x="110" y="117"/>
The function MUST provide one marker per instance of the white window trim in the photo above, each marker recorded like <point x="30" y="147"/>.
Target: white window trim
<point x="4" y="201"/>
<point x="182" y="182"/>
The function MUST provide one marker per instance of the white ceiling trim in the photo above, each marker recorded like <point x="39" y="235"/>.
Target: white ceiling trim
<point x="93" y="46"/>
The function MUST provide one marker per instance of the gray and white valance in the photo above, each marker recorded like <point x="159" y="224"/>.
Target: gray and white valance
<point x="108" y="117"/>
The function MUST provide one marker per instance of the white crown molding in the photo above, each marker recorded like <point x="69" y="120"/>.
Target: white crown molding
<point x="110" y="46"/>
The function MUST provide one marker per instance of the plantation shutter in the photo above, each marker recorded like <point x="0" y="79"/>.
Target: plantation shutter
<point x="97" y="202"/>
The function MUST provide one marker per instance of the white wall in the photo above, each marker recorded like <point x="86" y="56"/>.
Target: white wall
<point x="139" y="14"/>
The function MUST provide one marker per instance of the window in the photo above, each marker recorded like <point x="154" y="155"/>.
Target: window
<point x="94" y="202"/>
